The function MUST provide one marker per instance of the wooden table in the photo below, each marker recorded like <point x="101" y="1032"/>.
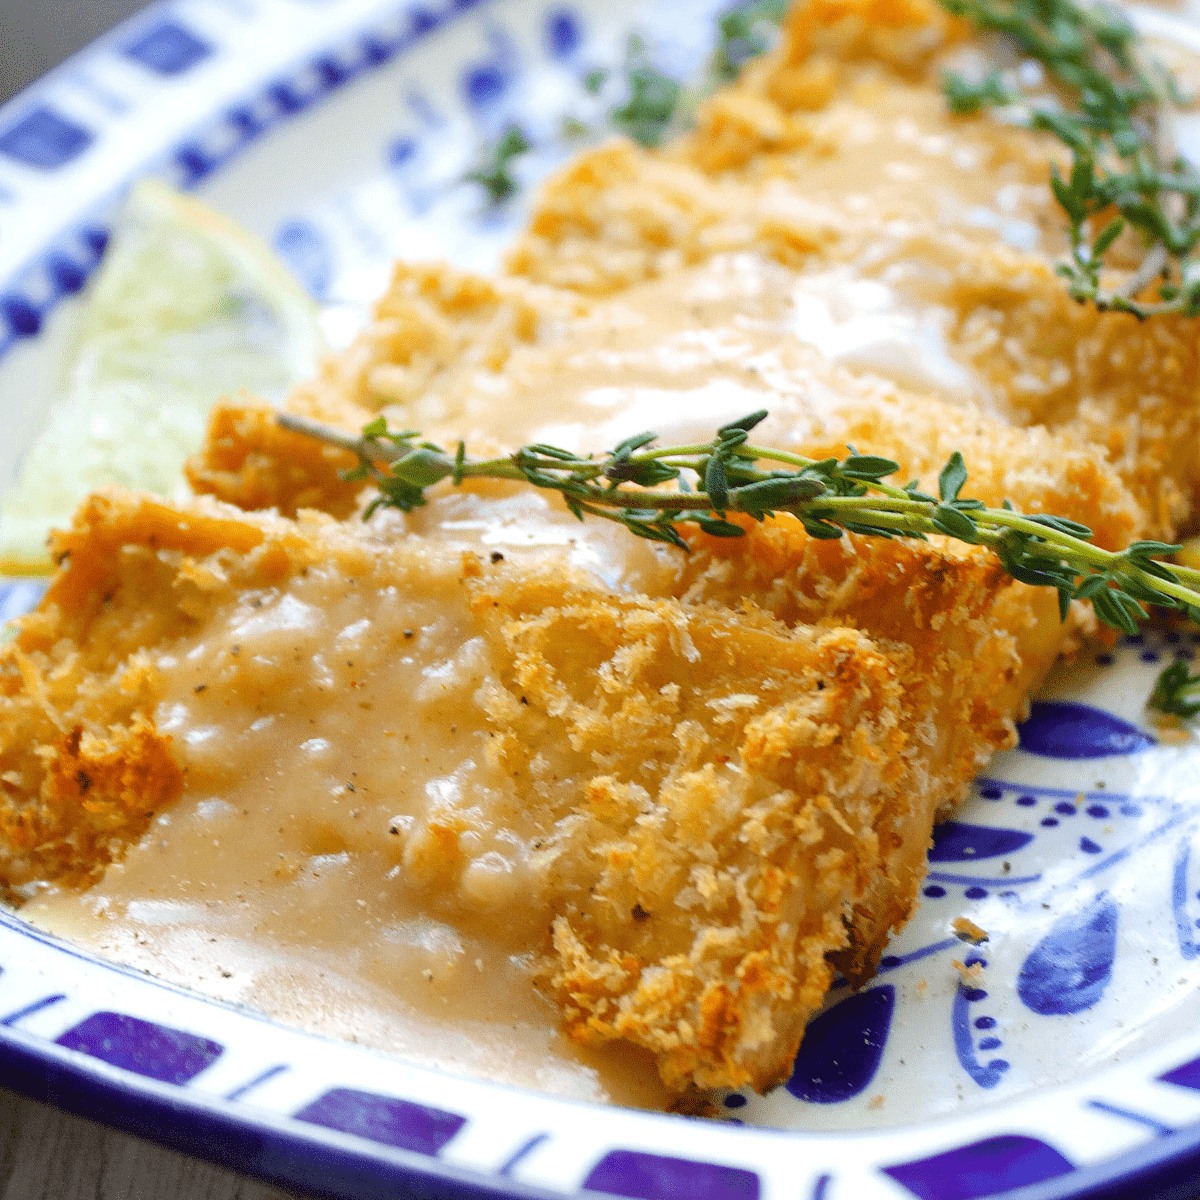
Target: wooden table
<point x="47" y="1155"/>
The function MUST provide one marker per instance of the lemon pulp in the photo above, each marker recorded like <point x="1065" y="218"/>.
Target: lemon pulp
<point x="186" y="308"/>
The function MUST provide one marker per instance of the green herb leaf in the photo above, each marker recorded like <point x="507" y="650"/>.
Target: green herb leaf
<point x="817" y="528"/>
<point x="1062" y="524"/>
<point x="954" y="523"/>
<point x="952" y="477"/>
<point x="781" y="492"/>
<point x="715" y="483"/>
<point x="646" y="473"/>
<point x="421" y="467"/>
<point x="1174" y="691"/>
<point x="495" y="175"/>
<point x="1108" y="111"/>
<point x="629" y="445"/>
<point x="1145" y="549"/>
<point x="967" y="98"/>
<point x="718" y="528"/>
<point x="869" y="466"/>
<point x="745" y="423"/>
<point x="652" y="99"/>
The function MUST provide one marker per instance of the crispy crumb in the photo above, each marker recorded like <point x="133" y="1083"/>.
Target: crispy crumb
<point x="967" y="931"/>
<point x="1170" y="729"/>
<point x="694" y="1102"/>
<point x="971" y="976"/>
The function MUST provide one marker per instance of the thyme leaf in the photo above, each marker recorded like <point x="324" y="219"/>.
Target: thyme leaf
<point x="831" y="497"/>
<point x="1176" y="691"/>
<point x="653" y="97"/>
<point x="1111" y="108"/>
<point x="744" y="33"/>
<point x="495" y="175"/>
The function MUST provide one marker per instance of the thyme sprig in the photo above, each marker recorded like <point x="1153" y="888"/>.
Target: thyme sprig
<point x="743" y="33"/>
<point x="1113" y="111"/>
<point x="1176" y="691"/>
<point x="495" y="174"/>
<point x="830" y="497"/>
<point x="653" y="98"/>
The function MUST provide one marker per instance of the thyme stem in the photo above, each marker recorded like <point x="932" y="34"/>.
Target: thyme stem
<point x="829" y="497"/>
<point x="1113" y="110"/>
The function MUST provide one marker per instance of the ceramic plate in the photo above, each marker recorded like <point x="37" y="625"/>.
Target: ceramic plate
<point x="1062" y="1060"/>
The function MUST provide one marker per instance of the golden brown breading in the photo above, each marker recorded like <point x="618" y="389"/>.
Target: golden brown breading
<point x="1130" y="388"/>
<point x="942" y="611"/>
<point x="738" y="841"/>
<point x="759" y="160"/>
<point x="721" y="822"/>
<point x="1038" y="471"/>
<point x="725" y="795"/>
<point x="250" y="461"/>
<point x="732" y="784"/>
<point x="84" y="768"/>
<point x="432" y="320"/>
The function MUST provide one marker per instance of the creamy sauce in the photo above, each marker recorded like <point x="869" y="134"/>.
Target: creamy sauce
<point x="319" y="725"/>
<point x="323" y="722"/>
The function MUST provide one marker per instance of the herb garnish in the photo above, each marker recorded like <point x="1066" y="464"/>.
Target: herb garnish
<point x="830" y="497"/>
<point x="1112" y="110"/>
<point x="653" y="98"/>
<point x="744" y="33"/>
<point x="495" y="175"/>
<point x="1176" y="692"/>
<point x="595" y="80"/>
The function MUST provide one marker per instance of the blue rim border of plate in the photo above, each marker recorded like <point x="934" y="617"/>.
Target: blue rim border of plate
<point x="1165" y="1170"/>
<point x="254" y="1141"/>
<point x="249" y="1143"/>
<point x="61" y="269"/>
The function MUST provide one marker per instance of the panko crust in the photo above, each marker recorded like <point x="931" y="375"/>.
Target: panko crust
<point x="722" y="782"/>
<point x="620" y="215"/>
<point x="248" y="459"/>
<point x="83" y="767"/>
<point x="1128" y="388"/>
<point x="757" y="758"/>
<point x="433" y="324"/>
<point x="99" y="788"/>
<point x="970" y="644"/>
<point x="853" y="688"/>
<point x="722" y="824"/>
<point x="1123" y="389"/>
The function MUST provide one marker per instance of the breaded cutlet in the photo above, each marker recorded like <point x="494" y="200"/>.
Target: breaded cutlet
<point x="733" y="779"/>
<point x="717" y="801"/>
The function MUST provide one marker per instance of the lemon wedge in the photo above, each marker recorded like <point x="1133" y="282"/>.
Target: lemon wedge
<point x="186" y="308"/>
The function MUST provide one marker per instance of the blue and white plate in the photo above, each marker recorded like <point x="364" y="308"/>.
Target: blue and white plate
<point x="1060" y="1058"/>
